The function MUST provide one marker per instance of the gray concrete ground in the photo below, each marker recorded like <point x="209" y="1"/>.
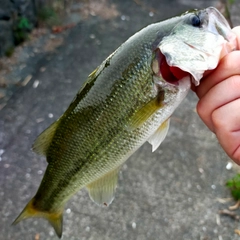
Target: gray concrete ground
<point x="173" y="193"/>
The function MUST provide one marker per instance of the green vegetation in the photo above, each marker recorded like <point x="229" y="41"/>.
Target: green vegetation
<point x="50" y="14"/>
<point x="231" y="1"/>
<point x="234" y="186"/>
<point x="47" y="15"/>
<point x="21" y="29"/>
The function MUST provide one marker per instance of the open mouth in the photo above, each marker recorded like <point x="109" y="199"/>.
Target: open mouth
<point x="161" y="68"/>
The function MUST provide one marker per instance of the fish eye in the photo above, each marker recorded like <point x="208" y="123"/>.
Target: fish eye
<point x="195" y="21"/>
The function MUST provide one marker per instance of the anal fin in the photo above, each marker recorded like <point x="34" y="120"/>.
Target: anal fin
<point x="157" y="138"/>
<point x="103" y="189"/>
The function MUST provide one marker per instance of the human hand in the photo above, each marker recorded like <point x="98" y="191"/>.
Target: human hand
<point x="219" y="101"/>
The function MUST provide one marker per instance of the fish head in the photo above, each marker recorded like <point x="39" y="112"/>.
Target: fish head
<point x="194" y="45"/>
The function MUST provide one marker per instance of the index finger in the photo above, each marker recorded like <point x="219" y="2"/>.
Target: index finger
<point x="228" y="66"/>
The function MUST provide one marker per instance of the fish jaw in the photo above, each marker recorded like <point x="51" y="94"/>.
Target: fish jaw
<point x="198" y="42"/>
<point x="217" y="24"/>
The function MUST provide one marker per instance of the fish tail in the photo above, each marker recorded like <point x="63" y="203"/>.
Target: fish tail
<point x="54" y="218"/>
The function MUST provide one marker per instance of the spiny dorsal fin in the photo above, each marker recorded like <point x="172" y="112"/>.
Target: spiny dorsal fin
<point x="142" y="115"/>
<point x="43" y="141"/>
<point x="54" y="218"/>
<point x="157" y="138"/>
<point x="102" y="190"/>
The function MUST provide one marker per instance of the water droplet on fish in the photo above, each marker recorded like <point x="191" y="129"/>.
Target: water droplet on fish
<point x="87" y="228"/>
<point x="50" y="115"/>
<point x="213" y="186"/>
<point x="40" y="172"/>
<point x="229" y="166"/>
<point x="51" y="233"/>
<point x="151" y="14"/>
<point x="134" y="225"/>
<point x="204" y="229"/>
<point x="201" y="170"/>
<point x="68" y="210"/>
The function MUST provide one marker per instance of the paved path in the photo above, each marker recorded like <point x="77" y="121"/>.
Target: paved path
<point x="171" y="194"/>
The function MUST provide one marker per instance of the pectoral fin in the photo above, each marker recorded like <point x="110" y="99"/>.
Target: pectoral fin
<point x="157" y="138"/>
<point x="144" y="113"/>
<point x="102" y="190"/>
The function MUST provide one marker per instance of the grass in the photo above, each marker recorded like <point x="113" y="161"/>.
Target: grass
<point x="234" y="185"/>
<point x="21" y="29"/>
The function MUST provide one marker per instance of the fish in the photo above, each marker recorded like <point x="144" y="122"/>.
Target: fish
<point x="126" y="101"/>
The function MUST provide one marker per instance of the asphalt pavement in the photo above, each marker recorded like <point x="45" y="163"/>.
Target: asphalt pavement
<point x="177" y="192"/>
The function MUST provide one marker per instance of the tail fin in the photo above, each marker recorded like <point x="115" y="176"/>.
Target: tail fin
<point x="54" y="218"/>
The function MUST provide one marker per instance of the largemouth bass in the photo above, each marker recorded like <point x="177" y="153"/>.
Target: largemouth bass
<point x="125" y="102"/>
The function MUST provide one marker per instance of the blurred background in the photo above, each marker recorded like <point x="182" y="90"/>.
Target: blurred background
<point x="47" y="49"/>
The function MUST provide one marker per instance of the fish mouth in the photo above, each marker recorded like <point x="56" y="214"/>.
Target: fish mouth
<point x="217" y="41"/>
<point x="161" y="68"/>
<point x="218" y="25"/>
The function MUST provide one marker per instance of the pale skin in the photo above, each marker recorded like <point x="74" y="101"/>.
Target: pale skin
<point x="219" y="101"/>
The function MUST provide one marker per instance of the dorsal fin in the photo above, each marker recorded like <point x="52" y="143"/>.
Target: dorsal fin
<point x="43" y="141"/>
<point x="102" y="190"/>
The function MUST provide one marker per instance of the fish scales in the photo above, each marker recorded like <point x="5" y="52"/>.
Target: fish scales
<point x="92" y="140"/>
<point x="98" y="132"/>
